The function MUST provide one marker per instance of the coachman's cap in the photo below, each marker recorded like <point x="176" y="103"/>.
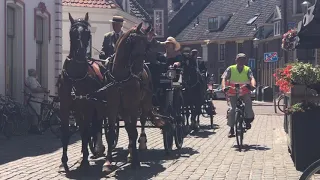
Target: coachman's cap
<point x="117" y="19"/>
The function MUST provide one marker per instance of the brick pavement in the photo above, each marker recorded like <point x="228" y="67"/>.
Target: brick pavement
<point x="207" y="154"/>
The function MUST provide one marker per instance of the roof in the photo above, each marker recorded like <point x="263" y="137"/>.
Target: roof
<point x="171" y="12"/>
<point x="105" y="4"/>
<point x="137" y="10"/>
<point x="236" y="26"/>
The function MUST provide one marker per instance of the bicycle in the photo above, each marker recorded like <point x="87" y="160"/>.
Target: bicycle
<point x="281" y="100"/>
<point x="6" y="124"/>
<point x="239" y="114"/>
<point x="313" y="169"/>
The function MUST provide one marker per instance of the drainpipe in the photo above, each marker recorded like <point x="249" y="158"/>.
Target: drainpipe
<point x="285" y="27"/>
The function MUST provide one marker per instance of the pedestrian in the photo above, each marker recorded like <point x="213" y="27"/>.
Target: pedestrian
<point x="37" y="92"/>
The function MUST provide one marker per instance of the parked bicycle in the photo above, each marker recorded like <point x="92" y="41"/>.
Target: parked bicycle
<point x="281" y="103"/>
<point x="6" y="124"/>
<point x="239" y="114"/>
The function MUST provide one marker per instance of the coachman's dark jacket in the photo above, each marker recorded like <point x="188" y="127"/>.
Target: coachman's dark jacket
<point x="108" y="45"/>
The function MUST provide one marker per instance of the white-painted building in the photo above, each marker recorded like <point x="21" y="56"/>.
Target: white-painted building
<point x="30" y="38"/>
<point x="100" y="12"/>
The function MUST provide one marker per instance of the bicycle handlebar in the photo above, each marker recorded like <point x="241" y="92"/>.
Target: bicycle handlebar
<point x="245" y="85"/>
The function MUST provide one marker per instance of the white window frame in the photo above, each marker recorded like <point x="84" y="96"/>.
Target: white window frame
<point x="159" y="32"/>
<point x="204" y="52"/>
<point x="224" y="53"/>
<point x="277" y="28"/>
<point x="210" y="29"/>
<point x="294" y="7"/>
<point x="238" y="47"/>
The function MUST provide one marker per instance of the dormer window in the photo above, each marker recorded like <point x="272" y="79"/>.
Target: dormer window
<point x="253" y="19"/>
<point x="276" y="28"/>
<point x="215" y="23"/>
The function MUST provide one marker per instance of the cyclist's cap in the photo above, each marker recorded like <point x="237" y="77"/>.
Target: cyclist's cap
<point x="241" y="55"/>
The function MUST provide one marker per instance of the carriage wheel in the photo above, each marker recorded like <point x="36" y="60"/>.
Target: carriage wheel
<point x="117" y="129"/>
<point x="179" y="121"/>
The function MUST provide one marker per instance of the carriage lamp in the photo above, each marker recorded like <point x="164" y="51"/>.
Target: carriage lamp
<point x="256" y="42"/>
<point x="171" y="74"/>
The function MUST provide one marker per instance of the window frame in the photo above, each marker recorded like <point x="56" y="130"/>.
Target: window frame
<point x="10" y="37"/>
<point x="277" y="28"/>
<point x="39" y="46"/>
<point x="159" y="32"/>
<point x="222" y="53"/>
<point x="295" y="7"/>
<point x="238" y="47"/>
<point x="218" y="23"/>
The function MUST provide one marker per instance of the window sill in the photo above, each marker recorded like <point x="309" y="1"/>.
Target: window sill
<point x="297" y="15"/>
<point x="275" y="35"/>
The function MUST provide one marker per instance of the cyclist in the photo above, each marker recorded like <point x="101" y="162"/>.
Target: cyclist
<point x="239" y="74"/>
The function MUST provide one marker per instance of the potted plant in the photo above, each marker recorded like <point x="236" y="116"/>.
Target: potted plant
<point x="305" y="132"/>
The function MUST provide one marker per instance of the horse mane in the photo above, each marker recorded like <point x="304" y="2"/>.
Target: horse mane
<point x="124" y="37"/>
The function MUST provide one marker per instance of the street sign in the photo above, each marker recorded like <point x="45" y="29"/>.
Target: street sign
<point x="271" y="57"/>
<point x="252" y="63"/>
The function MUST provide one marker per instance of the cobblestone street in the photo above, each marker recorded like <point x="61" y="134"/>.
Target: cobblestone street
<point x="208" y="154"/>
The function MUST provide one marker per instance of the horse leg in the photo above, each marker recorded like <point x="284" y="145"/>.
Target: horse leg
<point x="85" y="136"/>
<point x="143" y="137"/>
<point x="64" y="112"/>
<point x="97" y="128"/>
<point x="131" y="127"/>
<point x="111" y="137"/>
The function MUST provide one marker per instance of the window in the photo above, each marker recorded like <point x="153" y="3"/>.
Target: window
<point x="204" y="52"/>
<point x="39" y="41"/>
<point x="297" y="8"/>
<point x="239" y="48"/>
<point x="252" y="20"/>
<point x="222" y="52"/>
<point x="213" y="23"/>
<point x="10" y="50"/>
<point x="159" y="22"/>
<point x="276" y="28"/>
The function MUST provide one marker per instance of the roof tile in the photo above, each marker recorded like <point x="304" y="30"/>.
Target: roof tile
<point x="236" y="26"/>
<point x="105" y="4"/>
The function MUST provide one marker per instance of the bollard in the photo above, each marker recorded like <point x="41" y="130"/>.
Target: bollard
<point x="259" y="93"/>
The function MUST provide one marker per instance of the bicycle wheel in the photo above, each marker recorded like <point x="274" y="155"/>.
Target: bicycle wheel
<point x="21" y="121"/>
<point x="8" y="129"/>
<point x="239" y="130"/>
<point x="179" y="121"/>
<point x="281" y="104"/>
<point x="314" y="168"/>
<point x="55" y="124"/>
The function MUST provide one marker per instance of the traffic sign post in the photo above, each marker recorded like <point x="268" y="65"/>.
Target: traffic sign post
<point x="252" y="63"/>
<point x="271" y="57"/>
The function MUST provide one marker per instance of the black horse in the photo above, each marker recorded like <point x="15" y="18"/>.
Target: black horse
<point x="195" y="88"/>
<point x="80" y="76"/>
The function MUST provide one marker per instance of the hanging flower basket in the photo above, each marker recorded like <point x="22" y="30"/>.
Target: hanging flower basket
<point x="288" y="40"/>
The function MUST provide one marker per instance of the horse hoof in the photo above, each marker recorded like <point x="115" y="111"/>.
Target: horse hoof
<point x="129" y="158"/>
<point x="143" y="145"/>
<point x="66" y="168"/>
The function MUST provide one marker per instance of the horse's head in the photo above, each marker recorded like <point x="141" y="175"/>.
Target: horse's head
<point x="80" y="36"/>
<point x="132" y="46"/>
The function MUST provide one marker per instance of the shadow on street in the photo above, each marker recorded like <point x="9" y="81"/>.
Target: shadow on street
<point x="29" y="146"/>
<point x="151" y="164"/>
<point x="254" y="147"/>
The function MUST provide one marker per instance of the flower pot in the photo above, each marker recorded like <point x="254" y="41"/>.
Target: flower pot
<point x="304" y="133"/>
<point x="315" y="87"/>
